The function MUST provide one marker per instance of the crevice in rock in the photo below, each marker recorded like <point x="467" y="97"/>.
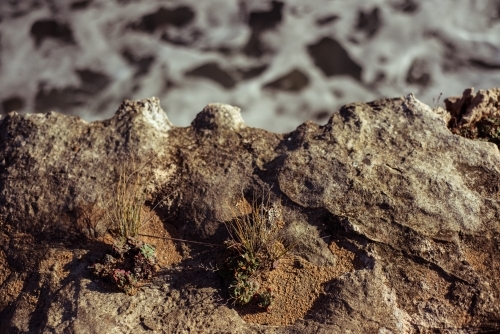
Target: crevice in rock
<point x="327" y="20"/>
<point x="142" y="64"/>
<point x="14" y="103"/>
<point x="484" y="64"/>
<point x="406" y="6"/>
<point x="250" y="73"/>
<point x="80" y="5"/>
<point x="91" y="82"/>
<point x="419" y="73"/>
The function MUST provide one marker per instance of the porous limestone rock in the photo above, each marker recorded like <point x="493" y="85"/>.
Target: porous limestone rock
<point x="470" y="107"/>
<point x="416" y="204"/>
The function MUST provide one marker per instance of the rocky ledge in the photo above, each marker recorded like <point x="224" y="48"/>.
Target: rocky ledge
<point x="395" y="220"/>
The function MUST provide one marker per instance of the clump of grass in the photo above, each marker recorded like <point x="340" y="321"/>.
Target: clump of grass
<point x="256" y="229"/>
<point x="256" y="243"/>
<point x="131" y="261"/>
<point x="124" y="208"/>
<point x="89" y="217"/>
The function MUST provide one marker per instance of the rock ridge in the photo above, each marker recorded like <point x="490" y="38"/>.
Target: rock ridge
<point x="384" y="192"/>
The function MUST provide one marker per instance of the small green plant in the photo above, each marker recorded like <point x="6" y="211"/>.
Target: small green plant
<point x="130" y="264"/>
<point x="256" y="244"/>
<point x="147" y="251"/>
<point x="125" y="281"/>
<point x="265" y="299"/>
<point x="131" y="261"/>
<point x="256" y="229"/>
<point x="242" y="283"/>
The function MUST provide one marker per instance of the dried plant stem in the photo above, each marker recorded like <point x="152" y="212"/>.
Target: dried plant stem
<point x="259" y="231"/>
<point x="180" y="240"/>
<point x="124" y="208"/>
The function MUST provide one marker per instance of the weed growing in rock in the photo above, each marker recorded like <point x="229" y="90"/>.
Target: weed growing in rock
<point x="132" y="261"/>
<point x="256" y="244"/>
<point x="437" y="102"/>
<point x="242" y="269"/>
<point x="265" y="299"/>
<point x="124" y="207"/>
<point x="89" y="219"/>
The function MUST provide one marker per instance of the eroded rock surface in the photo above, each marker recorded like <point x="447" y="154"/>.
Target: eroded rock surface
<point x="470" y="107"/>
<point x="414" y="207"/>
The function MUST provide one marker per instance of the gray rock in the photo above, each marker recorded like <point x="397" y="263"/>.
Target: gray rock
<point x="417" y="205"/>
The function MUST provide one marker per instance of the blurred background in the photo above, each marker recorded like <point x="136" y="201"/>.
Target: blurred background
<point x="282" y="62"/>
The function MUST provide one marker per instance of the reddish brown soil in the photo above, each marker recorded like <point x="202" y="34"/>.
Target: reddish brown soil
<point x="296" y="284"/>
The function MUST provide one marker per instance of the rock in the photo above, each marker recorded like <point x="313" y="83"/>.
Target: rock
<point x="470" y="108"/>
<point x="218" y="115"/>
<point x="395" y="220"/>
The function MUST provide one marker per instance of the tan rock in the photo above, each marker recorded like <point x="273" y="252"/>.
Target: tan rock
<point x="395" y="220"/>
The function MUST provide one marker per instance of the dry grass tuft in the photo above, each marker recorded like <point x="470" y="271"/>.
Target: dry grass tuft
<point x="257" y="229"/>
<point x="257" y="242"/>
<point x="124" y="208"/>
<point x="89" y="218"/>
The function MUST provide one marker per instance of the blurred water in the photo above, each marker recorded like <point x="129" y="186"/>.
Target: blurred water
<point x="281" y="62"/>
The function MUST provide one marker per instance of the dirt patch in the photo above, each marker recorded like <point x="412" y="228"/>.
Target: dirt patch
<point x="433" y="286"/>
<point x="296" y="284"/>
<point x="158" y="235"/>
<point x="477" y="259"/>
<point x="10" y="291"/>
<point x="166" y="250"/>
<point x="4" y="267"/>
<point x="56" y="261"/>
